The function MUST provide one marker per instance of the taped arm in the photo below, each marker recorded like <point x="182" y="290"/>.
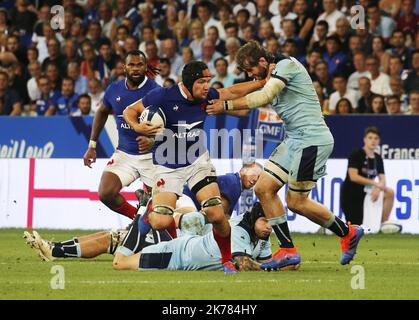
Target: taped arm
<point x="256" y="99"/>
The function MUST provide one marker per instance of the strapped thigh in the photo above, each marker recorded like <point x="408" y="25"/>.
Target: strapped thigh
<point x="164" y="210"/>
<point x="155" y="260"/>
<point x="277" y="172"/>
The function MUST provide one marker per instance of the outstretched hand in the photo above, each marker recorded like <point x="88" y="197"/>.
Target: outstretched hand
<point x="215" y="107"/>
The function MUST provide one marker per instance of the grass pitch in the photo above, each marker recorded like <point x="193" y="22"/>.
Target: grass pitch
<point x="390" y="262"/>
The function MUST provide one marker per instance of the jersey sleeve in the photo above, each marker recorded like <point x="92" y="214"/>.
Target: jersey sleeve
<point x="354" y="160"/>
<point x="284" y="70"/>
<point x="154" y="98"/>
<point x="107" y="97"/>
<point x="240" y="242"/>
<point x="213" y="94"/>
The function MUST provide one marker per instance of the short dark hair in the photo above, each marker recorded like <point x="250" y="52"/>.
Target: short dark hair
<point x="393" y="97"/>
<point x="135" y="53"/>
<point x="222" y="59"/>
<point x="84" y="95"/>
<point x="323" y="23"/>
<point x="374" y="130"/>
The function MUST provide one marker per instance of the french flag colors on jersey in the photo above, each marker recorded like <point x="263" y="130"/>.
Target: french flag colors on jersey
<point x="117" y="97"/>
<point x="183" y="141"/>
<point x="230" y="188"/>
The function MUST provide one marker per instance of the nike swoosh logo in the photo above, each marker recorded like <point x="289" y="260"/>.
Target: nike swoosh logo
<point x="187" y="126"/>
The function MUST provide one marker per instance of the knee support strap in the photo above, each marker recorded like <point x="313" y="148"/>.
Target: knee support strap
<point x="279" y="174"/>
<point x="164" y="210"/>
<point x="211" y="202"/>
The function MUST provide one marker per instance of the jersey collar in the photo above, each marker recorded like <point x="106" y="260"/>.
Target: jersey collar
<point x="183" y="93"/>
<point x="139" y="86"/>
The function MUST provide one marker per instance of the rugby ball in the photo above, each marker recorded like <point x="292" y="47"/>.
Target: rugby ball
<point x="390" y="227"/>
<point x="155" y="115"/>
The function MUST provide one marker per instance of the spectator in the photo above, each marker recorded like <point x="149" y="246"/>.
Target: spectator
<point x="380" y="82"/>
<point x="414" y="102"/>
<point x="44" y="16"/>
<point x="312" y="57"/>
<point x="364" y="166"/>
<point x="408" y="21"/>
<point x="318" y="42"/>
<point x="221" y="67"/>
<point x="242" y="19"/>
<point x="378" y="51"/>
<point x="84" y="104"/>
<point x="232" y="46"/>
<point x="209" y="55"/>
<point x="23" y="19"/>
<point x="379" y="24"/>
<point x="54" y="55"/>
<point x="220" y="45"/>
<point x="398" y="42"/>
<point x="343" y="32"/>
<point x="344" y="106"/>
<point x="131" y="43"/>
<point x="377" y="105"/>
<point x="32" y="55"/>
<point x="291" y="49"/>
<point x="169" y="52"/>
<point x="339" y="84"/>
<point x="166" y="27"/>
<point x="118" y="73"/>
<point x="96" y="93"/>
<point x="94" y="34"/>
<point x="165" y="71"/>
<point x="48" y="97"/>
<point x="263" y="12"/>
<point x="181" y="34"/>
<point x="272" y="46"/>
<point x="365" y="102"/>
<point x="146" y="13"/>
<point x="67" y="102"/>
<point x="148" y="35"/>
<point x="232" y="31"/>
<point x="13" y="46"/>
<point x="224" y="14"/>
<point x="205" y="16"/>
<point x="304" y="21"/>
<point x="366" y="38"/>
<point x="40" y="41"/>
<point x="396" y="86"/>
<point x="16" y="81"/>
<point x="34" y="69"/>
<point x="361" y="71"/>
<point x="80" y="81"/>
<point x="106" y="20"/>
<point x="333" y="55"/>
<point x="197" y="35"/>
<point x="248" y="33"/>
<point x="152" y="52"/>
<point x="187" y="55"/>
<point x="322" y="76"/>
<point x="122" y="33"/>
<point x="71" y="52"/>
<point x="53" y="75"/>
<point x="324" y="103"/>
<point x="412" y="81"/>
<point x="266" y="32"/>
<point x="89" y="64"/>
<point x="106" y="62"/>
<point x="395" y="68"/>
<point x="124" y="10"/>
<point x="78" y="31"/>
<point x="217" y="85"/>
<point x="331" y="15"/>
<point x="10" y="102"/>
<point x="245" y="5"/>
<point x="284" y="13"/>
<point x="393" y="105"/>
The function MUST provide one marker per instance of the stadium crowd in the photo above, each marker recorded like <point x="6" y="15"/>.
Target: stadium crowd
<point x="47" y="70"/>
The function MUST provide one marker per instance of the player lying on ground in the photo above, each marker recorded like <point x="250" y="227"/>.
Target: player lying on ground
<point x="250" y="246"/>
<point x="301" y="159"/>
<point x="98" y="243"/>
<point x="187" y="159"/>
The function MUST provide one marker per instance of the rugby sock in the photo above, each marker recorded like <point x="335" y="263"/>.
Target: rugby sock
<point x="67" y="249"/>
<point x="127" y="210"/>
<point x="134" y="240"/>
<point x="172" y="229"/>
<point x="280" y="227"/>
<point x="224" y="243"/>
<point x="337" y="226"/>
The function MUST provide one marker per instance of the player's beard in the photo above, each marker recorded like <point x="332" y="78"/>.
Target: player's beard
<point x="136" y="81"/>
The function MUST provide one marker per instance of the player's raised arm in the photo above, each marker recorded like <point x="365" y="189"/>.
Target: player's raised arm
<point x="240" y="89"/>
<point x="99" y="121"/>
<point x="131" y="115"/>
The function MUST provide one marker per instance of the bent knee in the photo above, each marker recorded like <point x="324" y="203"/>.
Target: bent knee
<point x="107" y="194"/>
<point x="295" y="202"/>
<point x="263" y="192"/>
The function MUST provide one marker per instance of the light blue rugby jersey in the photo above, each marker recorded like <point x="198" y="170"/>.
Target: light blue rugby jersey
<point x="298" y="105"/>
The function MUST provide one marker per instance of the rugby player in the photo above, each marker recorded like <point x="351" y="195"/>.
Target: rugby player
<point x="187" y="159"/>
<point x="249" y="239"/>
<point x="127" y="163"/>
<point x="300" y="160"/>
<point x="102" y="242"/>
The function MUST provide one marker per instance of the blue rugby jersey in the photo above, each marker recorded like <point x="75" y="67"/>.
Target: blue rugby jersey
<point x="117" y="97"/>
<point x="183" y="140"/>
<point x="230" y="188"/>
